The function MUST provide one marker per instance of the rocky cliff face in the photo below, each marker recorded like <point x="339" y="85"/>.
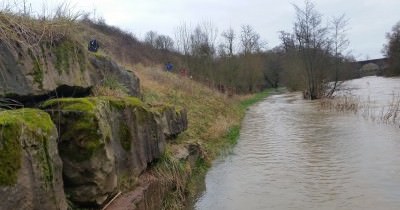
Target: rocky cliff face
<point x="85" y="149"/>
<point x="62" y="69"/>
<point x="104" y="141"/>
<point x="30" y="166"/>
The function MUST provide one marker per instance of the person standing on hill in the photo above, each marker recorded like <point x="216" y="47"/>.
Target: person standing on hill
<point x="93" y="45"/>
<point x="169" y="66"/>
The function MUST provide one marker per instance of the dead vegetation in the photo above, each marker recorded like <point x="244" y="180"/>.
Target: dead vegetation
<point x="341" y="104"/>
<point x="390" y="114"/>
<point x="210" y="113"/>
<point x="20" y="26"/>
<point x="386" y="114"/>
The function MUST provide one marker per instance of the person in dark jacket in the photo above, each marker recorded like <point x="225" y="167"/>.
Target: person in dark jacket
<point x="93" y="45"/>
<point x="169" y="66"/>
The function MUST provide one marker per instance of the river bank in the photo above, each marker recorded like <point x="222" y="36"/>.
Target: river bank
<point x="214" y="125"/>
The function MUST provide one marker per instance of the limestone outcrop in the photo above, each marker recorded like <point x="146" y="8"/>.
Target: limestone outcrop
<point x="30" y="166"/>
<point x="63" y="69"/>
<point x="103" y="140"/>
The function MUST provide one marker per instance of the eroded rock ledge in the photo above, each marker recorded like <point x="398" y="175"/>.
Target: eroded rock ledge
<point x="30" y="166"/>
<point x="64" y="68"/>
<point x="105" y="140"/>
<point x="104" y="145"/>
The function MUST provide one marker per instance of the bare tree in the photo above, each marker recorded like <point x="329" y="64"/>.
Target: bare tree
<point x="313" y="45"/>
<point x="250" y="40"/>
<point x="392" y="51"/>
<point x="182" y="38"/>
<point x="150" y="38"/>
<point x="164" y="42"/>
<point x="200" y="43"/>
<point x="229" y="38"/>
<point x="273" y="67"/>
<point x="211" y="32"/>
<point x="288" y="40"/>
<point x="340" y="44"/>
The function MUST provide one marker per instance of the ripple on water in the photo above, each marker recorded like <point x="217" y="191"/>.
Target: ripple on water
<point x="292" y="156"/>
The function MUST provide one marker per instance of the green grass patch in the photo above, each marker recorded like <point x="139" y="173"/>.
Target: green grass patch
<point x="233" y="134"/>
<point x="254" y="99"/>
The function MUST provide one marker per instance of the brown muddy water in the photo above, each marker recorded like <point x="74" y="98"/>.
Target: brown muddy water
<point x="291" y="155"/>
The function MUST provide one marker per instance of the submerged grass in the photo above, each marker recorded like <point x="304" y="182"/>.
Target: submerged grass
<point x="387" y="113"/>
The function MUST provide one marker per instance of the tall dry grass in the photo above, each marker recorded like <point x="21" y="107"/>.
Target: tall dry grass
<point x="390" y="114"/>
<point x="387" y="114"/>
<point x="22" y="26"/>
<point x="341" y="104"/>
<point x="210" y="113"/>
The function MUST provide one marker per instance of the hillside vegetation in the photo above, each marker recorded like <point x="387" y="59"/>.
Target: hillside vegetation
<point x="40" y="49"/>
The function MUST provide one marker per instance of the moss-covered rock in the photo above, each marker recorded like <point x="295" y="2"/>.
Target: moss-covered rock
<point x="30" y="168"/>
<point x="37" y="70"/>
<point x="103" y="139"/>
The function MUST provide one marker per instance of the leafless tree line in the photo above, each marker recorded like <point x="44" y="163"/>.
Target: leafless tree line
<point x="312" y="58"/>
<point x="392" y="51"/>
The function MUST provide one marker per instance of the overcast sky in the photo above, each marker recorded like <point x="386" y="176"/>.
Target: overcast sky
<point x="369" y="20"/>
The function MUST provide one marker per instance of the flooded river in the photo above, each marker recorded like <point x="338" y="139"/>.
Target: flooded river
<point x="291" y="155"/>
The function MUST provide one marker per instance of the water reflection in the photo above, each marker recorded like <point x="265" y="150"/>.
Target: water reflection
<point x="292" y="156"/>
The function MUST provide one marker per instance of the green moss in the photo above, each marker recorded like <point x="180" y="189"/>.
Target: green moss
<point x="71" y="104"/>
<point x="132" y="101"/>
<point x="34" y="123"/>
<point x="80" y="138"/>
<point x="63" y="52"/>
<point x="38" y="73"/>
<point x="100" y="56"/>
<point x="89" y="104"/>
<point x="82" y="134"/>
<point x="112" y="83"/>
<point x="125" y="137"/>
<point x="81" y="59"/>
<point x="68" y="52"/>
<point x="46" y="162"/>
<point x="10" y="154"/>
<point x="33" y="119"/>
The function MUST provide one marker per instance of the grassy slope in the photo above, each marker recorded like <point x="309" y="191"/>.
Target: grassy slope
<point x="210" y="113"/>
<point x="214" y="123"/>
